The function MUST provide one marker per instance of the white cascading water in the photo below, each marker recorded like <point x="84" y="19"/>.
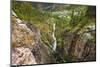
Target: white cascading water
<point x="54" y="38"/>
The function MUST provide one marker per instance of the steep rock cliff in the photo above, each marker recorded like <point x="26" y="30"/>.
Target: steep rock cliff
<point x="24" y="41"/>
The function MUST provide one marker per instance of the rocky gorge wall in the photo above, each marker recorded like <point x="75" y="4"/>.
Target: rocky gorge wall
<point x="26" y="48"/>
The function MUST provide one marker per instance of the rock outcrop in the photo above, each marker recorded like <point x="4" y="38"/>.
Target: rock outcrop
<point x="22" y="56"/>
<point x="82" y="48"/>
<point x="25" y="43"/>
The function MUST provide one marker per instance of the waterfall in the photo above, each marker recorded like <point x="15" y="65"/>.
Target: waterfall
<point x="54" y="38"/>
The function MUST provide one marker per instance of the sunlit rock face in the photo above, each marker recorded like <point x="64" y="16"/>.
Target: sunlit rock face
<point x="22" y="56"/>
<point x="24" y="40"/>
<point x="22" y="36"/>
<point x="22" y="43"/>
<point x="26" y="45"/>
